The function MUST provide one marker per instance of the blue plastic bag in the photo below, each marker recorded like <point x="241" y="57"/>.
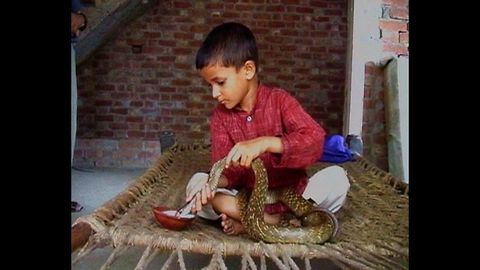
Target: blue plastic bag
<point x="335" y="150"/>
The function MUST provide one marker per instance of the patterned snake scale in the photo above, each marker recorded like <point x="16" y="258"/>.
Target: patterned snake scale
<point x="318" y="225"/>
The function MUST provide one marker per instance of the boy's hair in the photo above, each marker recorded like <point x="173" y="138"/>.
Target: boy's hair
<point x="229" y="44"/>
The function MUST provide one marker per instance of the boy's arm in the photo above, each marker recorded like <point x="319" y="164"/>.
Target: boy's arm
<point x="304" y="137"/>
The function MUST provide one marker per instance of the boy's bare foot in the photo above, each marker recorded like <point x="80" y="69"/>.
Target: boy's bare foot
<point x="231" y="226"/>
<point x="295" y="222"/>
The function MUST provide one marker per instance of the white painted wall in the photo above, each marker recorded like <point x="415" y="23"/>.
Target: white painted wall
<point x="364" y="46"/>
<point x="403" y="82"/>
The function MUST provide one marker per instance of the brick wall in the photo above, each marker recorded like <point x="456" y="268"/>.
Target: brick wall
<point x="394" y="26"/>
<point x="394" y="37"/>
<point x="126" y="99"/>
<point x="373" y="130"/>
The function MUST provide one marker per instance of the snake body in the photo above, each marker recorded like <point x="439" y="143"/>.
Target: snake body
<point x="318" y="225"/>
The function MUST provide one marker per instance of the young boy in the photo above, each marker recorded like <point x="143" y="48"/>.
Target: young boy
<point x="253" y="120"/>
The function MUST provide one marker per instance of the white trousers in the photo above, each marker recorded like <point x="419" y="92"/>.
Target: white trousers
<point x="327" y="188"/>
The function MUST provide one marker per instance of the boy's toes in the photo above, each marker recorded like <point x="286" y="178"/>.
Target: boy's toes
<point x="227" y="230"/>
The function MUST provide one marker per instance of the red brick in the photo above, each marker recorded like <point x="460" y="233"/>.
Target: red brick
<point x="317" y="49"/>
<point x="289" y="32"/>
<point x="276" y="24"/>
<point x="135" y="134"/>
<point x="182" y="5"/>
<point x="321" y="4"/>
<point x="242" y="7"/>
<point x="117" y="95"/>
<point x="399" y="49"/>
<point x="399" y="13"/>
<point x="183" y="66"/>
<point x="303" y="86"/>
<point x="183" y="36"/>
<point x="105" y="87"/>
<point x="285" y="77"/>
<point x="182" y="51"/>
<point x="404" y="38"/>
<point x="271" y="69"/>
<point x="152" y="35"/>
<point x="179" y="97"/>
<point x="181" y="82"/>
<point x="138" y="119"/>
<point x="123" y="111"/>
<point x="180" y="127"/>
<point x="321" y="18"/>
<point x="400" y="3"/>
<point x="166" y="119"/>
<point x="230" y="15"/>
<point x="286" y="48"/>
<point x="214" y="6"/>
<point x="105" y="118"/>
<point x="319" y="34"/>
<point x="166" y="58"/>
<point x="104" y="133"/>
<point x="168" y="43"/>
<point x="150" y="81"/>
<point x="286" y="62"/>
<point x="151" y="145"/>
<point x="334" y="12"/>
<point x="153" y="50"/>
<point x="393" y="25"/>
<point x="125" y="144"/>
<point x="291" y="2"/>
<point x="199" y="28"/>
<point x="116" y="126"/>
<point x="304" y="10"/>
<point x="195" y="43"/>
<point x="125" y="153"/>
<point x="195" y="120"/>
<point x="148" y="155"/>
<point x="275" y="8"/>
<point x="103" y="102"/>
<point x="390" y="36"/>
<point x="180" y="112"/>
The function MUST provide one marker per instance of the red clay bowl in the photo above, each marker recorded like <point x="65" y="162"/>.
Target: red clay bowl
<point x="168" y="220"/>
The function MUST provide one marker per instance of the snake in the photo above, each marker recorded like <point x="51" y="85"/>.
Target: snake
<point x="317" y="225"/>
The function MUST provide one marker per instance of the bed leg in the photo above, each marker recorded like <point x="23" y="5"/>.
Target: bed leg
<point x="80" y="234"/>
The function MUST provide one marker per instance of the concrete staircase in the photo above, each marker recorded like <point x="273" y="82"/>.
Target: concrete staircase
<point x="105" y="19"/>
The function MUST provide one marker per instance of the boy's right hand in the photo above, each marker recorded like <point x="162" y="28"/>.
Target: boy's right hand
<point x="200" y="192"/>
<point x="243" y="153"/>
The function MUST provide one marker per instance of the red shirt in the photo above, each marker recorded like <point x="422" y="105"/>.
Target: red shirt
<point x="275" y="113"/>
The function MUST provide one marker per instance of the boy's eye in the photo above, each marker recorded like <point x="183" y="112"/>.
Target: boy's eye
<point x="221" y="83"/>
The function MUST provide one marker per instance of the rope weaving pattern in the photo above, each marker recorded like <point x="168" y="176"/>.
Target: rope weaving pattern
<point x="373" y="222"/>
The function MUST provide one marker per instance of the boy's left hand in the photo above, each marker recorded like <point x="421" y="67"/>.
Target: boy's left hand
<point x="243" y="153"/>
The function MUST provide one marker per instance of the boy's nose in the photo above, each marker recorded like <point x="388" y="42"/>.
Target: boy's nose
<point x="215" y="92"/>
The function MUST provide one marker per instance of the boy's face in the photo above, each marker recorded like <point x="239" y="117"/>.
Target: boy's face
<point x="229" y="87"/>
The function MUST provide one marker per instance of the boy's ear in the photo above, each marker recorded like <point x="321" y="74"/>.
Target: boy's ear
<point x="250" y="69"/>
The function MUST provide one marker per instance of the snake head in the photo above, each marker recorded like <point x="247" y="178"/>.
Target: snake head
<point x="320" y="216"/>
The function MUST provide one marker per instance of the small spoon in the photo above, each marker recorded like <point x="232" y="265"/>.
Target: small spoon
<point x="187" y="205"/>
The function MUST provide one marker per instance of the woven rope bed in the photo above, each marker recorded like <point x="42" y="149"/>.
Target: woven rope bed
<point x="373" y="222"/>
